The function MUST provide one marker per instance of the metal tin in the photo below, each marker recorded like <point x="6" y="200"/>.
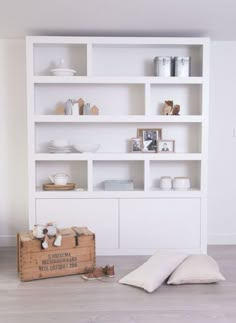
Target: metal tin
<point x="162" y="66"/>
<point x="182" y="66"/>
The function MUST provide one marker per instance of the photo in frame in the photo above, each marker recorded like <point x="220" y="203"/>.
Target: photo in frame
<point x="150" y="138"/>
<point x="166" y="146"/>
<point x="136" y="145"/>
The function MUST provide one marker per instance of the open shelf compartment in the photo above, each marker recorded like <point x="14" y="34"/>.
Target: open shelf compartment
<point x="190" y="169"/>
<point x="48" y="56"/>
<point x="118" y="170"/>
<point x="77" y="171"/>
<point x="111" y="99"/>
<point x="138" y="60"/>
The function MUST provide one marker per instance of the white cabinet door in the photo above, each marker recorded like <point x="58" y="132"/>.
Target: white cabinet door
<point x="99" y="215"/>
<point x="160" y="223"/>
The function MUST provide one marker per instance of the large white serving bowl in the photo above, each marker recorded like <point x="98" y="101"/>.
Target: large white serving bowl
<point x="87" y="148"/>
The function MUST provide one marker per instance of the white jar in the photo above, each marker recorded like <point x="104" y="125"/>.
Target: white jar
<point x="165" y="183"/>
<point x="182" y="66"/>
<point x="181" y="183"/>
<point x="162" y="66"/>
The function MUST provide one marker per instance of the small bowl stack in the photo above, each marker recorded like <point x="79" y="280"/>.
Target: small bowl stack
<point x="59" y="146"/>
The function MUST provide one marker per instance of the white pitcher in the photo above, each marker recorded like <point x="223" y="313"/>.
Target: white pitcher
<point x="59" y="179"/>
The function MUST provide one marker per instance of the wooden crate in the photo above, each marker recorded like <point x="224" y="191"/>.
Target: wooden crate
<point x="75" y="256"/>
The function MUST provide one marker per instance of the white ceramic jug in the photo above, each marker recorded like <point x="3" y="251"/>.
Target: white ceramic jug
<point x="59" y="179"/>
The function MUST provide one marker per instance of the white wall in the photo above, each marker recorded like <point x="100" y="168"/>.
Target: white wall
<point x="222" y="144"/>
<point x="13" y="142"/>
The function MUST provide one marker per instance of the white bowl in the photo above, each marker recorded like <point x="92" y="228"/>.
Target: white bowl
<point x="87" y="148"/>
<point x="59" y="143"/>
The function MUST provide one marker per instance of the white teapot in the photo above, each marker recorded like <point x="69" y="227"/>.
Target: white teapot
<point x="59" y="179"/>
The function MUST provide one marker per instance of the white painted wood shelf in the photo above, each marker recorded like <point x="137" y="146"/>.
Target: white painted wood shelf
<point x="157" y="193"/>
<point x="118" y="119"/>
<point x="129" y="97"/>
<point x="115" y="80"/>
<point x="118" y="156"/>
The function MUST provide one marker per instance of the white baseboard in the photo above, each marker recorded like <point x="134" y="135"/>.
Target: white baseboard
<point x="7" y="241"/>
<point x="217" y="239"/>
<point x="223" y="239"/>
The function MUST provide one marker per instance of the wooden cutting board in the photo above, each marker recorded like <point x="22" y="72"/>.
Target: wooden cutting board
<point x="54" y="187"/>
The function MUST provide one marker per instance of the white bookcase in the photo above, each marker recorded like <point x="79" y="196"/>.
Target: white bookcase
<point x="117" y="74"/>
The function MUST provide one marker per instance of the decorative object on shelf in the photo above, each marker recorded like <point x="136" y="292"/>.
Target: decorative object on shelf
<point x="86" y="109"/>
<point x="94" y="110"/>
<point x="59" y="146"/>
<point x="62" y="70"/>
<point x="181" y="183"/>
<point x="176" y="110"/>
<point x="182" y="66"/>
<point x="170" y="108"/>
<point x="68" y="107"/>
<point x="118" y="185"/>
<point x="163" y="66"/>
<point x="165" y="183"/>
<point x="166" y="146"/>
<point x="150" y="138"/>
<point x="60" y="108"/>
<point x="43" y="232"/>
<point x="81" y="106"/>
<point x="75" y="108"/>
<point x="59" y="178"/>
<point x="136" y="145"/>
<point x="54" y="187"/>
<point x="87" y="148"/>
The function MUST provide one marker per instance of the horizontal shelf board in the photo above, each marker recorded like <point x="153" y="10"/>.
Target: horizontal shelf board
<point x="118" y="194"/>
<point x="118" y="119"/>
<point x="117" y="80"/>
<point x="118" y="156"/>
<point x="129" y="41"/>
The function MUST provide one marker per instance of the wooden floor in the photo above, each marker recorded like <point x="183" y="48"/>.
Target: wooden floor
<point x="73" y="300"/>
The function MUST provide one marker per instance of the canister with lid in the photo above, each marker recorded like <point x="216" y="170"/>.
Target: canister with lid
<point x="182" y="66"/>
<point x="162" y="66"/>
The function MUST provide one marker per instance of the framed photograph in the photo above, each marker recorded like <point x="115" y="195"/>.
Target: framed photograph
<point x="136" y="145"/>
<point x="166" y="146"/>
<point x="150" y="138"/>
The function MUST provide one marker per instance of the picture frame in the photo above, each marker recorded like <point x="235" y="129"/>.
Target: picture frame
<point x="136" y="144"/>
<point x="166" y="146"/>
<point x="150" y="137"/>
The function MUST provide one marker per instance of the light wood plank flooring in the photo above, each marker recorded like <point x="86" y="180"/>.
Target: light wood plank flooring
<point x="73" y="300"/>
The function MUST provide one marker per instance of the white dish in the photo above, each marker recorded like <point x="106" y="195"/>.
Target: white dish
<point x="87" y="148"/>
<point x="62" y="72"/>
<point x="181" y="183"/>
<point x="59" y="143"/>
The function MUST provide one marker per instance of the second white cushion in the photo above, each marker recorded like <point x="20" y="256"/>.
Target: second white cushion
<point x="196" y="269"/>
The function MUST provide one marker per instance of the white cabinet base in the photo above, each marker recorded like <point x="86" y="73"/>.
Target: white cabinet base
<point x="130" y="226"/>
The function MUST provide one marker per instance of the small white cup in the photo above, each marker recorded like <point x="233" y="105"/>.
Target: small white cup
<point x="165" y="183"/>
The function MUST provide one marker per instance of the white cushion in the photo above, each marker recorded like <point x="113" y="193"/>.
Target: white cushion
<point x="196" y="269"/>
<point x="154" y="271"/>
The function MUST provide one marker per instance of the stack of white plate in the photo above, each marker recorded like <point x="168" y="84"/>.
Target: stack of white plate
<point x="63" y="72"/>
<point x="59" y="146"/>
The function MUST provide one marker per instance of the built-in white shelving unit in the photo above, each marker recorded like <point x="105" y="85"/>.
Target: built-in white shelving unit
<point x="117" y="74"/>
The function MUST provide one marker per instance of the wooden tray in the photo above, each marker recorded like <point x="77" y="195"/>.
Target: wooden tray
<point x="54" y="187"/>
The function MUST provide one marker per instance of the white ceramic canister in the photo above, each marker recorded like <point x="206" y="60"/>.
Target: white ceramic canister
<point x="181" y="183"/>
<point x="165" y="183"/>
<point x="162" y="66"/>
<point x="182" y="66"/>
